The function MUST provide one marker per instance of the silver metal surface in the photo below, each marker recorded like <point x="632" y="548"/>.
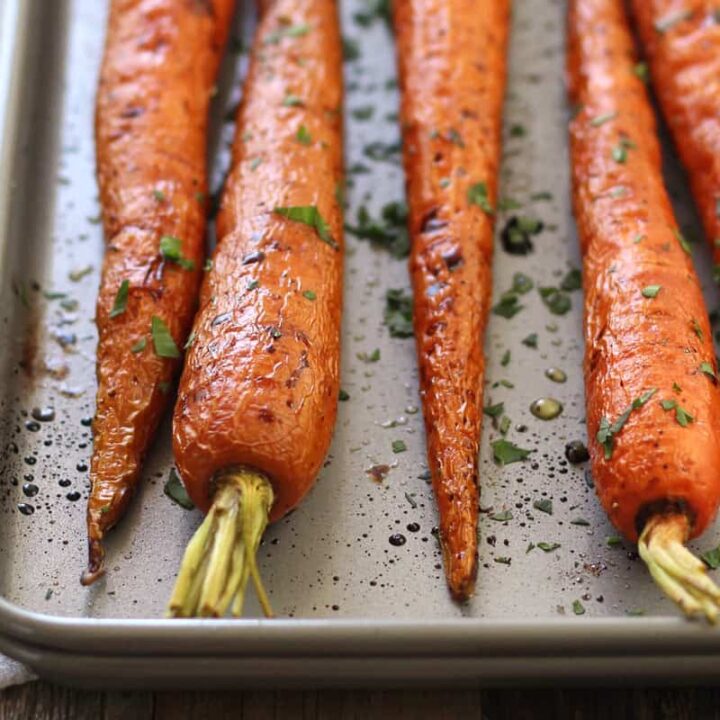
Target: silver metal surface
<point x="357" y="603"/>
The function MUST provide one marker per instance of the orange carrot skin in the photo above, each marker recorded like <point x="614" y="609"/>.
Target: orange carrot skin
<point x="452" y="76"/>
<point x="261" y="379"/>
<point x="682" y="41"/>
<point x="160" y="63"/>
<point x="646" y="325"/>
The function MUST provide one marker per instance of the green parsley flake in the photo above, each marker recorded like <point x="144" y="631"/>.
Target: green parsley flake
<point x="139" y="346"/>
<point x="287" y="31"/>
<point x="309" y="215"/>
<point x="303" y="136"/>
<point x="398" y="446"/>
<point x="683" y="417"/>
<point x="548" y="547"/>
<point x="398" y="314"/>
<point x="494" y="411"/>
<point x="503" y="516"/>
<point x="599" y="120"/>
<point x="578" y="607"/>
<point x="121" y="299"/>
<point x="171" y="249"/>
<point x="163" y="342"/>
<point x="176" y="491"/>
<point x="478" y="195"/>
<point x="607" y="431"/>
<point x="545" y="505"/>
<point x="651" y="291"/>
<point x="506" y="452"/>
<point x="309" y="295"/>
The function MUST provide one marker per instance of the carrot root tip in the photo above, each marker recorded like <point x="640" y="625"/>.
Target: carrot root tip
<point x="221" y="557"/>
<point x="682" y="576"/>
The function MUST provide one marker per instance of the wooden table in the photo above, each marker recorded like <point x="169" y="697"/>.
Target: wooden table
<point x="42" y="701"/>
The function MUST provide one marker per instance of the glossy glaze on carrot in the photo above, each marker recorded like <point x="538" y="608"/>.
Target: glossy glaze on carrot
<point x="682" y="41"/>
<point x="261" y="379"/>
<point x="647" y="336"/>
<point x="157" y="78"/>
<point x="452" y="75"/>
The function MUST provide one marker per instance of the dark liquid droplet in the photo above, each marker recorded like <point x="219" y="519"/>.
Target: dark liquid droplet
<point x="43" y="414"/>
<point x="32" y="426"/>
<point x="81" y="467"/>
<point x="397" y="539"/>
<point x="546" y="408"/>
<point x="73" y="496"/>
<point x="86" y="421"/>
<point x="26" y="508"/>
<point x="64" y="483"/>
<point x="556" y="375"/>
<point x="30" y="460"/>
<point x="576" y="452"/>
<point x="30" y="489"/>
<point x="413" y="527"/>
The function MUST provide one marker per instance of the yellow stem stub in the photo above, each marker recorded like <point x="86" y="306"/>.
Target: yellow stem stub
<point x="221" y="557"/>
<point x="682" y="576"/>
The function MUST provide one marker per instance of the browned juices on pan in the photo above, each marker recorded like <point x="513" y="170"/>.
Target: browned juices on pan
<point x="261" y="379"/>
<point x="682" y="41"/>
<point x="157" y="76"/>
<point x="653" y="403"/>
<point x="452" y="76"/>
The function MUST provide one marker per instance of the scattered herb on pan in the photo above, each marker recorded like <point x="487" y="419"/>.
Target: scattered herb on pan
<point x="163" y="342"/>
<point x="502" y="516"/>
<point x="309" y="215"/>
<point x="572" y="280"/>
<point x="505" y="359"/>
<point x="80" y="273"/>
<point x="121" y="299"/>
<point x="372" y="357"/>
<point x="410" y="497"/>
<point x="613" y="541"/>
<point x="494" y="411"/>
<point x="544" y="505"/>
<point x="580" y="521"/>
<point x="506" y="452"/>
<point x="503" y="560"/>
<point x="555" y="300"/>
<point x="522" y="283"/>
<point x="383" y="152"/>
<point x="389" y="232"/>
<point x="363" y="113"/>
<point x="508" y="306"/>
<point x="548" y="547"/>
<point x="712" y="558"/>
<point x="171" y="249"/>
<point x="578" y="607"/>
<point x="343" y="395"/>
<point x="530" y="341"/>
<point x="351" y="49"/>
<point x="504" y="425"/>
<point x="398" y="446"/>
<point x="607" y="431"/>
<point x="399" y="313"/>
<point x="517" y="233"/>
<point x="175" y="490"/>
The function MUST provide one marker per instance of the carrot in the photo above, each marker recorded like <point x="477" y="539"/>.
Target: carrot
<point x="258" y="395"/>
<point x="161" y="58"/>
<point x="452" y="76"/>
<point x="682" y="41"/>
<point x="653" y="403"/>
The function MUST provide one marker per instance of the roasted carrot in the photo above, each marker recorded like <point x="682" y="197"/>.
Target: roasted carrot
<point x="161" y="58"/>
<point x="653" y="402"/>
<point x="258" y="395"/>
<point x="682" y="41"/>
<point x="452" y="76"/>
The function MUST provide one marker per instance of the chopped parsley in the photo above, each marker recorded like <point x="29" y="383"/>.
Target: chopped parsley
<point x="139" y="346"/>
<point x="291" y="100"/>
<point x="343" y="395"/>
<point x="372" y="357"/>
<point x="683" y="417"/>
<point x="303" y="136"/>
<point x="286" y="31"/>
<point x="545" y="505"/>
<point x="651" y="291"/>
<point x="503" y="516"/>
<point x="548" y="547"/>
<point x="578" y="607"/>
<point x="494" y="411"/>
<point x="530" y="341"/>
<point x="572" y="280"/>
<point x="309" y="215"/>
<point x="171" y="249"/>
<point x="399" y="313"/>
<point x="390" y="232"/>
<point x="176" y="491"/>
<point x="712" y="558"/>
<point x="707" y="369"/>
<point x="478" y="195"/>
<point x="599" y="120"/>
<point x="398" y="446"/>
<point x="309" y="295"/>
<point x="508" y="306"/>
<point x="607" y="431"/>
<point x="163" y="342"/>
<point x="555" y="300"/>
<point x="506" y="452"/>
<point x="121" y="299"/>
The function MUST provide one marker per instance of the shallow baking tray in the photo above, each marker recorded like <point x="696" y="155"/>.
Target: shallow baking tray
<point x="356" y="608"/>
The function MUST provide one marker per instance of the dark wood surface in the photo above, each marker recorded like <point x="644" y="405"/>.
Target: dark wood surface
<point x="42" y="701"/>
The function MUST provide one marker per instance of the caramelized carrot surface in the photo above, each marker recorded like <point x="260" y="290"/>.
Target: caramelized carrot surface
<point x="157" y="77"/>
<point x="682" y="41"/>
<point x="452" y="75"/>
<point x="653" y="403"/>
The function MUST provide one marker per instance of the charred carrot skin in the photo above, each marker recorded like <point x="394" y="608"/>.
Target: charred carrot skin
<point x="452" y="75"/>
<point x="161" y="58"/>
<point x="653" y="403"/>
<point x="682" y="41"/>
<point x="261" y="380"/>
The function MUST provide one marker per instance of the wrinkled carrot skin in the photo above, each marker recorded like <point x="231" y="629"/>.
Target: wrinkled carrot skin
<point x="261" y="380"/>
<point x="161" y="59"/>
<point x="452" y="76"/>
<point x="629" y="242"/>
<point x="685" y="65"/>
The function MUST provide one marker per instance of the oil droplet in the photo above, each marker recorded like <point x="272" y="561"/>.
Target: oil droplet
<point x="86" y="421"/>
<point x="64" y="483"/>
<point x="32" y="426"/>
<point x="26" y="508"/>
<point x="73" y="496"/>
<point x="411" y="409"/>
<point x="546" y="408"/>
<point x="413" y="527"/>
<point x="397" y="539"/>
<point x="43" y="414"/>
<point x="30" y="489"/>
<point x="81" y="467"/>
<point x="556" y="375"/>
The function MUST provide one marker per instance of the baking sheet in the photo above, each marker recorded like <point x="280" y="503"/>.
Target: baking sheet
<point x="332" y="558"/>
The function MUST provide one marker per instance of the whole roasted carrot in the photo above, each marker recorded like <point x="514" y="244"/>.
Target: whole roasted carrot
<point x="258" y="395"/>
<point x="653" y="403"/>
<point x="157" y="76"/>
<point x="452" y="76"/>
<point x="682" y="41"/>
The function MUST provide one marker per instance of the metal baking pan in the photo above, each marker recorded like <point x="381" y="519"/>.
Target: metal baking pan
<point x="355" y="607"/>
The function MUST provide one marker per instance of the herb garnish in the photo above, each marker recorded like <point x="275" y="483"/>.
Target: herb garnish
<point x="399" y="313"/>
<point x="478" y="195"/>
<point x="494" y="411"/>
<point x="503" y="516"/>
<point x="398" y="446"/>
<point x="303" y="136"/>
<point x="139" y="346"/>
<point x="176" y="491"/>
<point x="287" y="31"/>
<point x="607" y="431"/>
<point x="163" y="342"/>
<point x="506" y="452"/>
<point x="121" y="299"/>
<point x="309" y="215"/>
<point x="651" y="291"/>
<point x="555" y="300"/>
<point x="545" y="505"/>
<point x="392" y="235"/>
<point x="171" y="249"/>
<point x="683" y="417"/>
<point x="599" y="120"/>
